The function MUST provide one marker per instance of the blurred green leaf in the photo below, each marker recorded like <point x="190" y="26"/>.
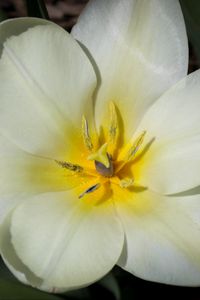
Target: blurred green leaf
<point x="5" y="274"/>
<point x="10" y="290"/>
<point x="191" y="12"/>
<point x="2" y="16"/>
<point x="37" y="9"/>
<point x="110" y="283"/>
<point x="78" y="294"/>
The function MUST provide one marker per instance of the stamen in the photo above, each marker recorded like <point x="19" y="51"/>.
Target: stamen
<point x="131" y="152"/>
<point x="90" y="190"/>
<point x="113" y="128"/>
<point x="70" y="166"/>
<point x="136" y="146"/>
<point x="86" y="136"/>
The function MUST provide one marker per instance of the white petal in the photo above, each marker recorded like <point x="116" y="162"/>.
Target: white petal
<point x="172" y="168"/>
<point x="7" y="200"/>
<point x="17" y="26"/>
<point x="162" y="238"/>
<point x="66" y="241"/>
<point x="140" y="48"/>
<point x="10" y="258"/>
<point x="15" y="265"/>
<point x="172" y="162"/>
<point x="7" y="147"/>
<point x="49" y="90"/>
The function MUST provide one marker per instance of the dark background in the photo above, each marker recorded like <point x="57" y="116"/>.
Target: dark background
<point x="118" y="284"/>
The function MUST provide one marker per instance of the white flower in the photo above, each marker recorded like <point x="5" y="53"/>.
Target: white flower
<point x="94" y="153"/>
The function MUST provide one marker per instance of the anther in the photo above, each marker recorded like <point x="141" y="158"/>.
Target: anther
<point x="86" y="136"/>
<point x="136" y="146"/>
<point x="113" y="127"/>
<point x="129" y="155"/>
<point x="90" y="190"/>
<point x="70" y="166"/>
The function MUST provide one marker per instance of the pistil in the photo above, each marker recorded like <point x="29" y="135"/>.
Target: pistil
<point x="103" y="170"/>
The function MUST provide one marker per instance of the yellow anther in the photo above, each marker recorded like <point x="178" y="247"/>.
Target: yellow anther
<point x="101" y="155"/>
<point x="135" y="147"/>
<point x="128" y="155"/>
<point x="127" y="182"/>
<point x="70" y="166"/>
<point x="86" y="136"/>
<point x="113" y="127"/>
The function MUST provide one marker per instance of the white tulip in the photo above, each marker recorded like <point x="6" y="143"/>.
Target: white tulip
<point x="95" y="153"/>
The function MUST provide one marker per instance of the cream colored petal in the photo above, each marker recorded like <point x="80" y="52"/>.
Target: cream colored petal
<point x="172" y="168"/>
<point x="46" y="83"/>
<point x="66" y="241"/>
<point x="15" y="265"/>
<point x="162" y="238"/>
<point x="9" y="200"/>
<point x="10" y="258"/>
<point x="172" y="162"/>
<point x="140" y="48"/>
<point x="17" y="26"/>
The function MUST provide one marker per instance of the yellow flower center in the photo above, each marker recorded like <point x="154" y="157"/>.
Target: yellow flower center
<point x="109" y="160"/>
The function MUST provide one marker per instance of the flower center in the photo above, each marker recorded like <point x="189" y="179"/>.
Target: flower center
<point x="108" y="167"/>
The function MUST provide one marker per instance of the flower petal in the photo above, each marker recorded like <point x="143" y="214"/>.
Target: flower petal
<point x="67" y="242"/>
<point x="162" y="238"/>
<point x="7" y="200"/>
<point x="10" y="258"/>
<point x="15" y="265"/>
<point x="42" y="104"/>
<point x="17" y="26"/>
<point x="140" y="48"/>
<point x="172" y="162"/>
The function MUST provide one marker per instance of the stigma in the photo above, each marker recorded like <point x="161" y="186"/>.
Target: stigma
<point x="103" y="161"/>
